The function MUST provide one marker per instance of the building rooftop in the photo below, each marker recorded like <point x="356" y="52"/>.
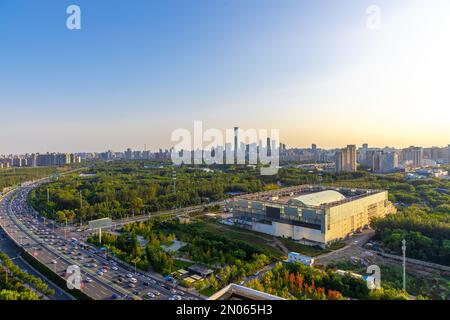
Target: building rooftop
<point x="320" y="198"/>
<point x="200" y="269"/>
<point x="237" y="292"/>
<point x="314" y="196"/>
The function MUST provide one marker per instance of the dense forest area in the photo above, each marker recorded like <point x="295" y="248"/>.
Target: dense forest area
<point x="427" y="233"/>
<point x="120" y="189"/>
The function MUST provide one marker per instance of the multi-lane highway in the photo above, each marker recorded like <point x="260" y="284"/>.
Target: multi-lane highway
<point x="102" y="278"/>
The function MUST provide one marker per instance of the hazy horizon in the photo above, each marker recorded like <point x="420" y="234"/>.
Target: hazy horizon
<point x="137" y="70"/>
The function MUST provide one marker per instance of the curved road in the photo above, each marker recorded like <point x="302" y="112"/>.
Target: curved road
<point x="26" y="228"/>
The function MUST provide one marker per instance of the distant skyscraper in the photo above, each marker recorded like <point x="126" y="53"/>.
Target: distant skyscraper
<point x="448" y="153"/>
<point x="236" y="130"/>
<point x="417" y="156"/>
<point x="128" y="154"/>
<point x="314" y="152"/>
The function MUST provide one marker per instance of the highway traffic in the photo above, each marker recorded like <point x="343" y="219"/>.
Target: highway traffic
<point x="103" y="278"/>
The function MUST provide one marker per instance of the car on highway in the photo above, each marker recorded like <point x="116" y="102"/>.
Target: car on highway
<point x="133" y="280"/>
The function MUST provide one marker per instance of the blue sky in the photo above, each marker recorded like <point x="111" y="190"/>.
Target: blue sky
<point x="139" y="69"/>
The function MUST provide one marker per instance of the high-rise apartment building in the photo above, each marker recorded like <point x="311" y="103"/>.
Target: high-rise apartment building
<point x="414" y="155"/>
<point x="389" y="162"/>
<point x="448" y="153"/>
<point x="345" y="159"/>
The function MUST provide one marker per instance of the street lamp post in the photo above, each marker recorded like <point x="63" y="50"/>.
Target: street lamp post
<point x="65" y="231"/>
<point x="6" y="275"/>
<point x="404" y="263"/>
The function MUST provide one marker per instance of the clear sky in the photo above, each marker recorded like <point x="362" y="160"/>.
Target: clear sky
<point x="139" y="69"/>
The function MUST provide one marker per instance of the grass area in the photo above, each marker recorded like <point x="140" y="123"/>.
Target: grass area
<point x="208" y="292"/>
<point x="311" y="251"/>
<point x="167" y="243"/>
<point x="179" y="264"/>
<point x="263" y="241"/>
<point x="337" y="245"/>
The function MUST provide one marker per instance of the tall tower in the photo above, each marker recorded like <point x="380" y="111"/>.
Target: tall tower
<point x="314" y="152"/>
<point x="236" y="129"/>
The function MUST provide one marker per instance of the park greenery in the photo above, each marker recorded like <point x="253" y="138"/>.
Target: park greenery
<point x="16" y="284"/>
<point x="13" y="176"/>
<point x="420" y="286"/>
<point x="235" y="259"/>
<point x="121" y="189"/>
<point x="300" y="282"/>
<point x="427" y="233"/>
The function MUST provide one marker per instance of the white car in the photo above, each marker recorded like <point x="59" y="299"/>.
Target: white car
<point x="151" y="295"/>
<point x="89" y="280"/>
<point x="114" y="268"/>
<point x="129" y="275"/>
<point x="133" y="280"/>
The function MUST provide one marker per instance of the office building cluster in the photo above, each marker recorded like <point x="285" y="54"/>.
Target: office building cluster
<point x="386" y="160"/>
<point x="130" y="154"/>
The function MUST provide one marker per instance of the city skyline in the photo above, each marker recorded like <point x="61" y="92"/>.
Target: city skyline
<point x="168" y="148"/>
<point x="315" y="71"/>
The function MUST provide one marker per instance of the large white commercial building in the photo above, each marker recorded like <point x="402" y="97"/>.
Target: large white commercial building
<point x="314" y="215"/>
